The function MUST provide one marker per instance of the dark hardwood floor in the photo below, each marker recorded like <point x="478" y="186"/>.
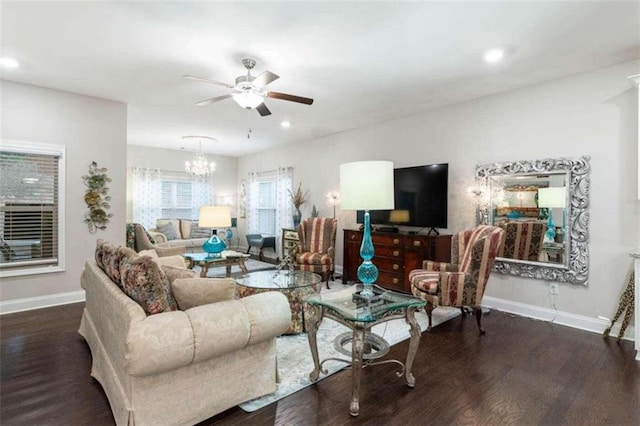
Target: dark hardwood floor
<point x="521" y="372"/>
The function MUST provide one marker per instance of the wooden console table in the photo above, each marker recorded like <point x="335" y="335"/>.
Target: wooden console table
<point x="396" y="255"/>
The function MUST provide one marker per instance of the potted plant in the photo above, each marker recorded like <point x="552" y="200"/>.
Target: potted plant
<point x="298" y="198"/>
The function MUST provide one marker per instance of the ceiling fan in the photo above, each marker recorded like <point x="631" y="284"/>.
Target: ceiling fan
<point x="249" y="91"/>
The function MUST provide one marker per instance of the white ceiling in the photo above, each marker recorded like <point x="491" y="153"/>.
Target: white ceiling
<point x="362" y="62"/>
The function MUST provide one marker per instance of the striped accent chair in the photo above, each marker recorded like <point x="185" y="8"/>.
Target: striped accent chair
<point x="315" y="252"/>
<point x="523" y="240"/>
<point x="463" y="281"/>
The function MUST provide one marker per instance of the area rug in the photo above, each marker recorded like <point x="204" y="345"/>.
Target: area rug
<point x="251" y="264"/>
<point x="294" y="356"/>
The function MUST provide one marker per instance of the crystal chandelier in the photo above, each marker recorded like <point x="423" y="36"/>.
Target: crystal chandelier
<point x="199" y="166"/>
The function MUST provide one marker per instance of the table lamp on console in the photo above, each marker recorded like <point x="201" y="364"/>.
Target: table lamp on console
<point x="367" y="185"/>
<point x="214" y="217"/>
<point x="552" y="198"/>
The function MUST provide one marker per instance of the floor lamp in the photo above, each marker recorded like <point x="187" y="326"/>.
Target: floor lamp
<point x="367" y="185"/>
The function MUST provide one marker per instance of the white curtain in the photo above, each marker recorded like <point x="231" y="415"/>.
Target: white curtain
<point x="147" y="196"/>
<point x="284" y="208"/>
<point x="252" y="202"/>
<point x="202" y="190"/>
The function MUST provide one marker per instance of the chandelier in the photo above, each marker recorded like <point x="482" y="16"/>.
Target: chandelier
<point x="199" y="166"/>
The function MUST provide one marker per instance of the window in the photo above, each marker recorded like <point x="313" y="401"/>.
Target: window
<point x="267" y="205"/>
<point x="168" y="195"/>
<point x="267" y="201"/>
<point x="176" y="200"/>
<point x="31" y="208"/>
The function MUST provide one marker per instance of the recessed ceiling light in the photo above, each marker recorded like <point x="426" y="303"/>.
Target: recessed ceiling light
<point x="9" y="62"/>
<point x="494" y="55"/>
<point x="285" y="124"/>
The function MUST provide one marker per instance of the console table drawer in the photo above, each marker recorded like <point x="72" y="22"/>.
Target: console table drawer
<point x="391" y="239"/>
<point x="386" y="264"/>
<point x="388" y="251"/>
<point x="391" y="280"/>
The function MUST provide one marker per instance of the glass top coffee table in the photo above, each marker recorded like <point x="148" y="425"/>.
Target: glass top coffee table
<point x="358" y="315"/>
<point x="294" y="284"/>
<point x="227" y="258"/>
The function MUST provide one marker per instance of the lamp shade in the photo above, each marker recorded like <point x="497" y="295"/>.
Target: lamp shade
<point x="552" y="198"/>
<point x="367" y="185"/>
<point x="215" y="217"/>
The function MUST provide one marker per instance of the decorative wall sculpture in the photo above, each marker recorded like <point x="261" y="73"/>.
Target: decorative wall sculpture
<point x="97" y="198"/>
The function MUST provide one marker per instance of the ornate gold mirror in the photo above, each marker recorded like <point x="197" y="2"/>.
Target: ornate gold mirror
<point x="542" y="206"/>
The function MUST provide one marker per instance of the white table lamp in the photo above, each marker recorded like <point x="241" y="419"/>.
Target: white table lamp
<point x="552" y="198"/>
<point x="367" y="185"/>
<point x="214" y="217"/>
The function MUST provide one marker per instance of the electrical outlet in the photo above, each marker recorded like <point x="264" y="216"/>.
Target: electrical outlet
<point x="553" y="288"/>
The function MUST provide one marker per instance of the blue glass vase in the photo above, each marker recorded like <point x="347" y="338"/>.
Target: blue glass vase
<point x="367" y="271"/>
<point x="551" y="227"/>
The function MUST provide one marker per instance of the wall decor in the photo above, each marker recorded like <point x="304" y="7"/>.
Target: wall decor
<point x="516" y="201"/>
<point x="97" y="198"/>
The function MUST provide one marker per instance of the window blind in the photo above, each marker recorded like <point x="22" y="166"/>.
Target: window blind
<point x="29" y="209"/>
<point x="267" y="207"/>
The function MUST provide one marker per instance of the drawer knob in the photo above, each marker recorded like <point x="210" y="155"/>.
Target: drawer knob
<point x="396" y="241"/>
<point x="396" y="253"/>
<point x="353" y="237"/>
<point x="395" y="281"/>
<point x="417" y="243"/>
<point x="396" y="266"/>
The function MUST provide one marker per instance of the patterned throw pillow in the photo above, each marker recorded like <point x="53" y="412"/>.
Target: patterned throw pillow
<point x="144" y="281"/>
<point x="198" y="232"/>
<point x="108" y="258"/>
<point x="168" y="230"/>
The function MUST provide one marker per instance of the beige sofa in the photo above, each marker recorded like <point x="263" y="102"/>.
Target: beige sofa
<point x="184" y="366"/>
<point x="183" y="229"/>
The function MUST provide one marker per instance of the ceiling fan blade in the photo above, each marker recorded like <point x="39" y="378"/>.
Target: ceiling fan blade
<point x="206" y="80"/>
<point x="212" y="100"/>
<point x="264" y="79"/>
<point x="292" y="98"/>
<point x="263" y="110"/>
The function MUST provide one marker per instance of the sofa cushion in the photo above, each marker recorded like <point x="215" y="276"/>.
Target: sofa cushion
<point x="200" y="232"/>
<point x="169" y="230"/>
<point x="191" y="292"/>
<point x="176" y="260"/>
<point x="144" y="281"/>
<point x="151" y="253"/>
<point x="185" y="227"/>
<point x="173" y="273"/>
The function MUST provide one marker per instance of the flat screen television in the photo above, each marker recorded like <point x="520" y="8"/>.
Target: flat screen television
<point x="420" y="194"/>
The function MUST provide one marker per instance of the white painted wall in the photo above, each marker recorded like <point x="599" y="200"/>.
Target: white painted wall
<point x="92" y="129"/>
<point x="224" y="178"/>
<point x="594" y="114"/>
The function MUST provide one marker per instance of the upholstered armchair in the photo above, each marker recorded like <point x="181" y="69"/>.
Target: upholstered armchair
<point x="139" y="239"/>
<point x="315" y="252"/>
<point x="523" y="240"/>
<point x="463" y="281"/>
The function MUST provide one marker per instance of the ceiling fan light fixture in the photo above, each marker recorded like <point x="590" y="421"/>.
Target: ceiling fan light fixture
<point x="248" y="100"/>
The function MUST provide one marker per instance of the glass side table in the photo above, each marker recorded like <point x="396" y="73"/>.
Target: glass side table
<point x="293" y="284"/>
<point x="349" y="310"/>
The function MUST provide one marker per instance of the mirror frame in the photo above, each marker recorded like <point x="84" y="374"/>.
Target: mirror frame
<point x="576" y="271"/>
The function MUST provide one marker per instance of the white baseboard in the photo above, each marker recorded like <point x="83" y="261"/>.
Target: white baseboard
<point x="594" y="325"/>
<point x="29" y="303"/>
